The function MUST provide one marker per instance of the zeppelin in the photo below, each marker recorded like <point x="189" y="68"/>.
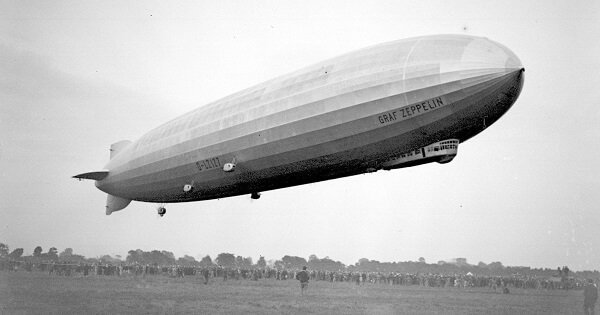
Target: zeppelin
<point x="393" y="105"/>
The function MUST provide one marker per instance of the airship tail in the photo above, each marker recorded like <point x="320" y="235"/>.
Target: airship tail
<point x="113" y="203"/>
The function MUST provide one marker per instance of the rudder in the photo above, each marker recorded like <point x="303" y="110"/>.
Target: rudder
<point x="114" y="203"/>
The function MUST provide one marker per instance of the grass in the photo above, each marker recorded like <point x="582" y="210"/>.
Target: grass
<point x="22" y="292"/>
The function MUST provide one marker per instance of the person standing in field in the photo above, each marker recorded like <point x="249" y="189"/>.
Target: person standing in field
<point x="205" y="275"/>
<point x="590" y="295"/>
<point x="303" y="277"/>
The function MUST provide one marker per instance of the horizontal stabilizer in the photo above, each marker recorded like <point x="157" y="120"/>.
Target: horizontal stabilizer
<point x="98" y="175"/>
<point x="114" y="203"/>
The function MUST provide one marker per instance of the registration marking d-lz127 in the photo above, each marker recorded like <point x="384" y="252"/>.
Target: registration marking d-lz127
<point x="208" y="164"/>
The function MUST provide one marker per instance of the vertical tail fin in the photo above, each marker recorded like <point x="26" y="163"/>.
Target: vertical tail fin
<point x="114" y="203"/>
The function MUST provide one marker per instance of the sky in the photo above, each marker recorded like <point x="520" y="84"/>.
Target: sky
<point x="77" y="76"/>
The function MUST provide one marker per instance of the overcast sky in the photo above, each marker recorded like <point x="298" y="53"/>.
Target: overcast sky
<point x="78" y="76"/>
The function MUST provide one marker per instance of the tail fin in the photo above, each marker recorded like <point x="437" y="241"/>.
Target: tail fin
<point x="115" y="148"/>
<point x="98" y="175"/>
<point x="114" y="203"/>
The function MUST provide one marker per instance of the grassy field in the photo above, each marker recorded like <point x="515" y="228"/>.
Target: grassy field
<point x="23" y="292"/>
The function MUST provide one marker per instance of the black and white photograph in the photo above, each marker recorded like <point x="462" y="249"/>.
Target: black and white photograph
<point x="299" y="157"/>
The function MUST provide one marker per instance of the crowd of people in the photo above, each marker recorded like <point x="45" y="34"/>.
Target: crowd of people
<point x="215" y="272"/>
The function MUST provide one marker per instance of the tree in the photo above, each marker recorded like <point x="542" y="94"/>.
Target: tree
<point x="261" y="263"/>
<point x="37" y="252"/>
<point x="226" y="260"/>
<point x="16" y="254"/>
<point x="3" y="250"/>
<point x="421" y="260"/>
<point x="244" y="263"/>
<point x="187" y="261"/>
<point x="293" y="262"/>
<point x="66" y="254"/>
<point x="247" y="262"/>
<point x="135" y="257"/>
<point x="278" y="264"/>
<point x="206" y="261"/>
<point x="161" y="258"/>
<point x="239" y="261"/>
<point x="496" y="265"/>
<point x="53" y="253"/>
<point x="325" y="264"/>
<point x="169" y="256"/>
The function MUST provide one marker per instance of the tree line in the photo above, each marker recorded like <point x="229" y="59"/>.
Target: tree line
<point x="287" y="262"/>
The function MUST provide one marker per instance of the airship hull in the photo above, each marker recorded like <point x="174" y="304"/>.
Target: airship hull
<point x="342" y="117"/>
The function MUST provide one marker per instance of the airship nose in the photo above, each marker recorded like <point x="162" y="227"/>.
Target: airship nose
<point x="482" y="53"/>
